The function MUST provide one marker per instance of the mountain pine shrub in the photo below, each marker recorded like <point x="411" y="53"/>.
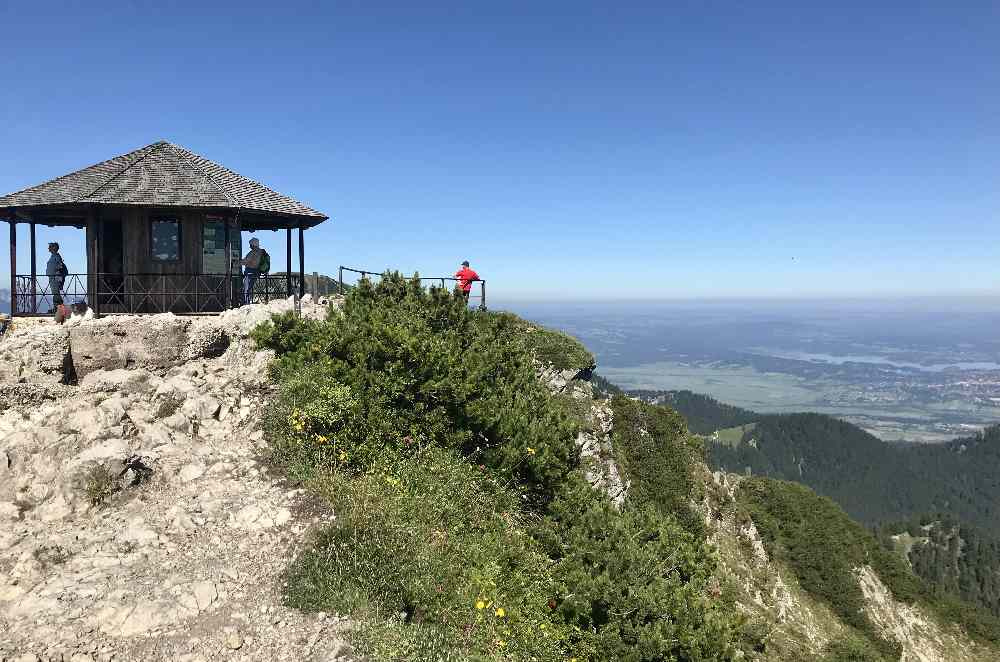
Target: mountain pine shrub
<point x="633" y="584"/>
<point x="464" y="529"/>
<point x="653" y="447"/>
<point x="441" y="546"/>
<point x="423" y="370"/>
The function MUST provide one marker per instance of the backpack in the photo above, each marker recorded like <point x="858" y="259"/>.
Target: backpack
<point x="265" y="262"/>
<point x="63" y="270"/>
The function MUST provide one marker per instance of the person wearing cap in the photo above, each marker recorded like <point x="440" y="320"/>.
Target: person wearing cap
<point x="466" y="277"/>
<point x="56" y="270"/>
<point x="253" y="266"/>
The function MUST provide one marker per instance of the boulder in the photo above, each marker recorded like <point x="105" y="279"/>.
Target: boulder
<point x="122" y="380"/>
<point x="35" y="353"/>
<point x="153" y="342"/>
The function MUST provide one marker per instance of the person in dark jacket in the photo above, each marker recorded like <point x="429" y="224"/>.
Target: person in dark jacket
<point x="56" y="270"/>
<point x="256" y="262"/>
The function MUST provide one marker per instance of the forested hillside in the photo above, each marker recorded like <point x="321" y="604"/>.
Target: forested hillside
<point x="888" y="486"/>
<point x="954" y="558"/>
<point x="873" y="480"/>
<point x="704" y="414"/>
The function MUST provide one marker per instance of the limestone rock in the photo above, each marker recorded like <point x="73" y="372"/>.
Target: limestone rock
<point x="152" y="571"/>
<point x="191" y="472"/>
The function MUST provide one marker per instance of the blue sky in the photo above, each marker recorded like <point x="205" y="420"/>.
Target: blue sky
<point x="610" y="150"/>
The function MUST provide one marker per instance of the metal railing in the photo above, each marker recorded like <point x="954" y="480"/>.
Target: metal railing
<point x="144" y="293"/>
<point x="477" y="285"/>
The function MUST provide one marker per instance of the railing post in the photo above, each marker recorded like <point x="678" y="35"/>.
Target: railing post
<point x="302" y="261"/>
<point x="95" y="301"/>
<point x="11" y="220"/>
<point x="340" y="281"/>
<point x="288" y="261"/>
<point x="482" y="295"/>
<point x="229" y="268"/>
<point x="34" y="271"/>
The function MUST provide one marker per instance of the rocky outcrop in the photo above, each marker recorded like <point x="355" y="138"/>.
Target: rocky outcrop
<point x="40" y="352"/>
<point x="34" y="352"/>
<point x="560" y="380"/>
<point x="597" y="421"/>
<point x="135" y="520"/>
<point x="767" y="591"/>
<point x="154" y="343"/>
<point x="597" y="453"/>
<point x="923" y="638"/>
<point x="801" y="626"/>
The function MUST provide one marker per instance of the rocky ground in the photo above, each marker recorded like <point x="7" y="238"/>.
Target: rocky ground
<point x="136" y="521"/>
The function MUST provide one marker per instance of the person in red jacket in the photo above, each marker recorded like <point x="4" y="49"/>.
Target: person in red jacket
<point x="465" y="277"/>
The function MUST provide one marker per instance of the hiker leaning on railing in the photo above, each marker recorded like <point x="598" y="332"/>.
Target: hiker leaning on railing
<point x="466" y="276"/>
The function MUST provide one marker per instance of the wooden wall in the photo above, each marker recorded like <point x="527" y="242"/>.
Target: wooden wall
<point x="136" y="241"/>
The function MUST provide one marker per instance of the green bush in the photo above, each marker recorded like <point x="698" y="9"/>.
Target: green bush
<point x="424" y="370"/>
<point x="440" y="541"/>
<point x="556" y="348"/>
<point x="634" y="584"/>
<point x="464" y="529"/>
<point x="852" y="648"/>
<point x="653" y="447"/>
<point x="313" y="424"/>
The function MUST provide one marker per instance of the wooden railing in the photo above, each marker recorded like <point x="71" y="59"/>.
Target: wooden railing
<point x="478" y="293"/>
<point x="144" y="293"/>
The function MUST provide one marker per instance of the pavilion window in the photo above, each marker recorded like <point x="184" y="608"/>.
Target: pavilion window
<point x="165" y="239"/>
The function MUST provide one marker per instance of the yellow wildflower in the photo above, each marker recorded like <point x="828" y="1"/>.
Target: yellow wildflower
<point x="500" y="612"/>
<point x="480" y="605"/>
<point x="531" y="451"/>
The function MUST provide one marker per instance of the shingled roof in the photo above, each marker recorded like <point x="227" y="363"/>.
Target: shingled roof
<point x="162" y="174"/>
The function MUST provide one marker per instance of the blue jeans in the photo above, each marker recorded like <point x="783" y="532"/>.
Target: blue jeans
<point x="249" y="280"/>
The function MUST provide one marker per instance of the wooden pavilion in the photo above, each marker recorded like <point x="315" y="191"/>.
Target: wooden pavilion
<point x="160" y="223"/>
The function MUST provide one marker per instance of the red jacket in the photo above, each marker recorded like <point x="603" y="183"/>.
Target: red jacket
<point x="465" y="276"/>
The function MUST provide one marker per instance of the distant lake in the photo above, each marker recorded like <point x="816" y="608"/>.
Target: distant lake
<point x="878" y="360"/>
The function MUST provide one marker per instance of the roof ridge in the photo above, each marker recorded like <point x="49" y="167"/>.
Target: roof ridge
<point x="155" y="146"/>
<point x="187" y="155"/>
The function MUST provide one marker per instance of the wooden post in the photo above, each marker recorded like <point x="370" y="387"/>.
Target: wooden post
<point x="288" y="261"/>
<point x="95" y="300"/>
<point x="12" y="220"/>
<point x="229" y="268"/>
<point x="340" y="281"/>
<point x="34" y="271"/>
<point x="302" y="262"/>
<point x="482" y="291"/>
